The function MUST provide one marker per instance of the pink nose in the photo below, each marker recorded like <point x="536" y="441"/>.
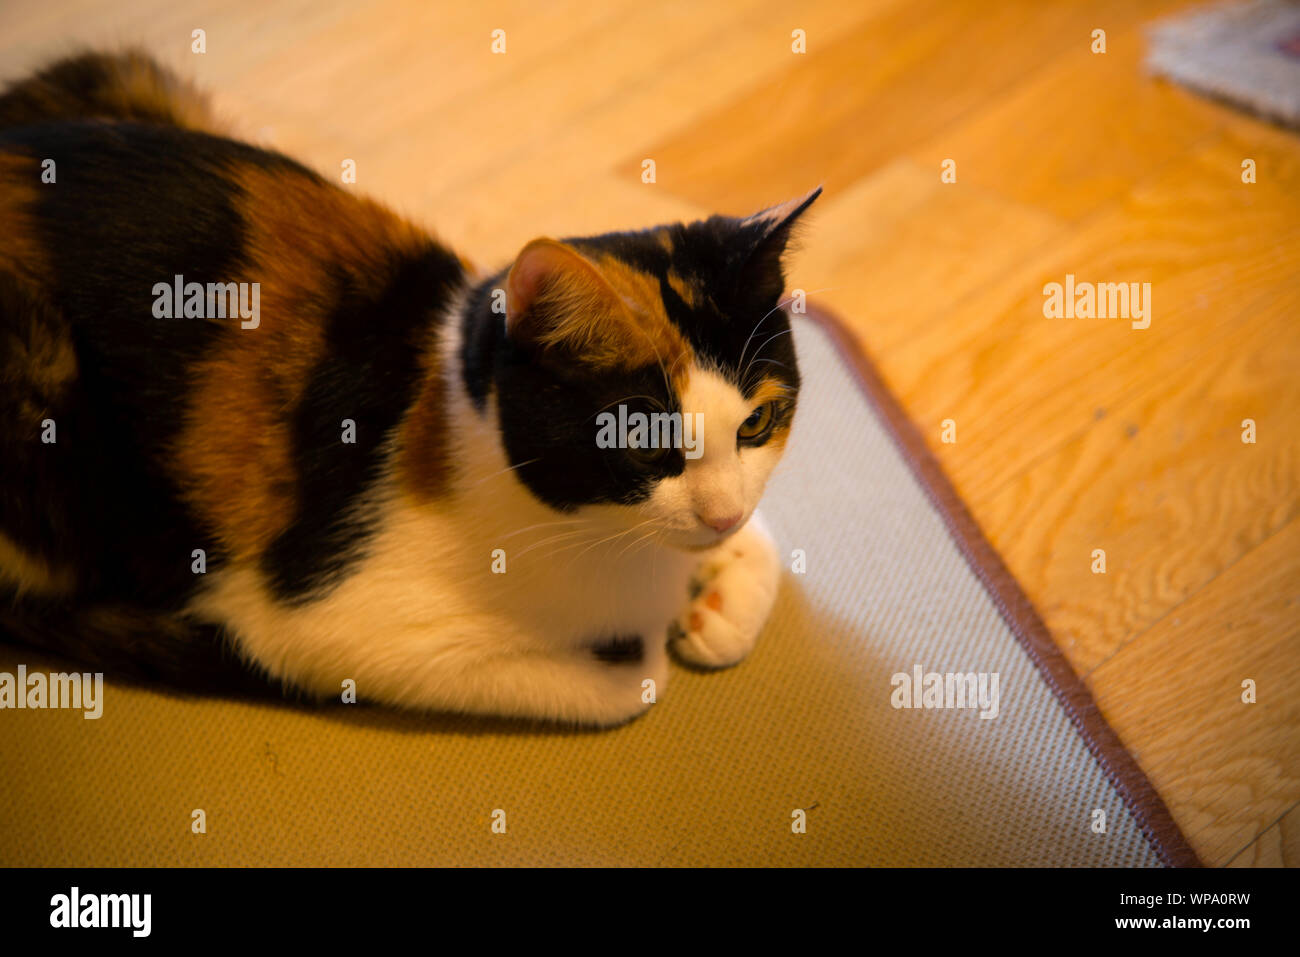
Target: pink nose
<point x="720" y="525"/>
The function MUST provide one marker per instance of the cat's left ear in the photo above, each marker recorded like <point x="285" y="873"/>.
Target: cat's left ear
<point x="770" y="232"/>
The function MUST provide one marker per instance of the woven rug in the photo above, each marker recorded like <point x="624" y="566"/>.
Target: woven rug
<point x="797" y="757"/>
<point x="1247" y="54"/>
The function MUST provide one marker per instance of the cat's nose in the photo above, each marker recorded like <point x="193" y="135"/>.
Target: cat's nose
<point x="719" y="525"/>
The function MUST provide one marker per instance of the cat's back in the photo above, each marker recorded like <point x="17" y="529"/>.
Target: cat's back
<point x="92" y="210"/>
<point x="193" y="317"/>
<point x="160" y="249"/>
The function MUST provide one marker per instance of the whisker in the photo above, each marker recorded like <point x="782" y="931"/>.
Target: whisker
<point x="504" y="471"/>
<point x="554" y="538"/>
<point x="652" y="532"/>
<point x="769" y="312"/>
<point x="529" y="528"/>
<point x="757" y="324"/>
<point x="777" y="335"/>
<point x="674" y="365"/>
<point x="611" y="538"/>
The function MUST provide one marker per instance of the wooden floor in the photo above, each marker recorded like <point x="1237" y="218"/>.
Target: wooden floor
<point x="1072" y="434"/>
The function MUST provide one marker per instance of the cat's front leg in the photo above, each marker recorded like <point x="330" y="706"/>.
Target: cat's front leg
<point x="601" y="683"/>
<point x="731" y="596"/>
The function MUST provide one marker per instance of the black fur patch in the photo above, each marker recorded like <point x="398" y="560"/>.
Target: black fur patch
<point x="369" y="374"/>
<point x="737" y="327"/>
<point x="132" y="205"/>
<point x="622" y="650"/>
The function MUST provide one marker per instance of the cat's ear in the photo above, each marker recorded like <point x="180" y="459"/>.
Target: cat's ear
<point x="768" y="233"/>
<point x="556" y="299"/>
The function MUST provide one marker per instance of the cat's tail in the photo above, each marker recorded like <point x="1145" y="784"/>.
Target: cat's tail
<point x="128" y="85"/>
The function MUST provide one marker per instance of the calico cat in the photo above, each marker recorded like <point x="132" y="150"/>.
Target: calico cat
<point x="259" y="429"/>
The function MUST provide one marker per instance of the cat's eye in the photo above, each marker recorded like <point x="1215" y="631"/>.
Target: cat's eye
<point x="759" y="424"/>
<point x="646" y="454"/>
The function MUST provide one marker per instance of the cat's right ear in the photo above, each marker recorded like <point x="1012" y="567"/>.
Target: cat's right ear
<point x="557" y="300"/>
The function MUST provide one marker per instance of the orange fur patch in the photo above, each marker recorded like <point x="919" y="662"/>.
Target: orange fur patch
<point x="36" y="351"/>
<point x="685" y="291"/>
<point x="20" y="178"/>
<point x="235" y="453"/>
<point x="770" y="390"/>
<point x="652" y="338"/>
<point x="607" y="312"/>
<point x="28" y="573"/>
<point x="423" y="455"/>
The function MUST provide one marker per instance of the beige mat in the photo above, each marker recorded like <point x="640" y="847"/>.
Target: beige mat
<point x="713" y="775"/>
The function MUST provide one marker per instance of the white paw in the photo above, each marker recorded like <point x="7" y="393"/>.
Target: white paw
<point x="731" y="597"/>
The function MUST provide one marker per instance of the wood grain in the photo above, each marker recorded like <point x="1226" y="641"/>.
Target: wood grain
<point x="1177" y="692"/>
<point x="1279" y="846"/>
<point x="859" y="97"/>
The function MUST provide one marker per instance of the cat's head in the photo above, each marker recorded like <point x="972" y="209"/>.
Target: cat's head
<point x="648" y="378"/>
